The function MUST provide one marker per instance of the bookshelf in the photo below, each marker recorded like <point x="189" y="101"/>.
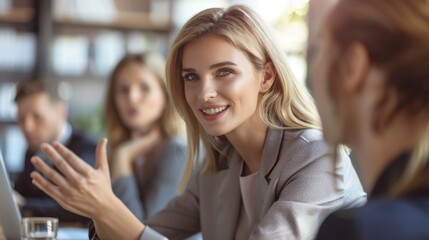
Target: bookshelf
<point x="63" y="40"/>
<point x="17" y="16"/>
<point x="73" y="41"/>
<point x="124" y="21"/>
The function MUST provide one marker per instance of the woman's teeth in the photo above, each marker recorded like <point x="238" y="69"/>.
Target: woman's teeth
<point x="213" y="111"/>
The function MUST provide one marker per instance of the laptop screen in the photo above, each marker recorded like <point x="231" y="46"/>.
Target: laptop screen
<point x="10" y="216"/>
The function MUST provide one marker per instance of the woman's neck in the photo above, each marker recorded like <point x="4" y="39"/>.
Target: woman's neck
<point x="155" y="129"/>
<point x="374" y="151"/>
<point x="248" y="141"/>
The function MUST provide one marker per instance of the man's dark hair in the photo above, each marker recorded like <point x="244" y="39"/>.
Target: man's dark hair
<point x="31" y="87"/>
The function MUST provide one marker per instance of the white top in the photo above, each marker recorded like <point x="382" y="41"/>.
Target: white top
<point x="248" y="205"/>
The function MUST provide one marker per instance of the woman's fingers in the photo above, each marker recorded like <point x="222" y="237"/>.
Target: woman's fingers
<point x="81" y="187"/>
<point x="72" y="159"/>
<point x="44" y="185"/>
<point x="53" y="191"/>
<point x="62" y="165"/>
<point x="49" y="173"/>
<point x="101" y="156"/>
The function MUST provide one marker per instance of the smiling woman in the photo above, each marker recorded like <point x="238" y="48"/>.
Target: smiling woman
<point x="267" y="172"/>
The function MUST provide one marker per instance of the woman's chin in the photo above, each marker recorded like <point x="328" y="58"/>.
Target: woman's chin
<point x="215" y="132"/>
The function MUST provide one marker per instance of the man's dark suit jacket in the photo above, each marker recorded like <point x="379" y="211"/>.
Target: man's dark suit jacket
<point x="406" y="217"/>
<point x="40" y="204"/>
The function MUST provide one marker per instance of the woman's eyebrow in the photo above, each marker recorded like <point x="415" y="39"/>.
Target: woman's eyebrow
<point x="216" y="65"/>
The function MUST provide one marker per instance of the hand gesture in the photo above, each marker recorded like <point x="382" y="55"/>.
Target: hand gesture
<point x="85" y="190"/>
<point x="82" y="189"/>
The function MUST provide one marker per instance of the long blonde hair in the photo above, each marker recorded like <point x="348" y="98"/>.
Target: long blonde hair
<point x="286" y="105"/>
<point x="396" y="36"/>
<point x="117" y="132"/>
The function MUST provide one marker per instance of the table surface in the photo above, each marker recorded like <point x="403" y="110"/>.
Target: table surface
<point x="64" y="233"/>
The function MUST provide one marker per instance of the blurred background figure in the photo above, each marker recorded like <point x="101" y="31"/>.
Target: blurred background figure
<point x="42" y="117"/>
<point x="148" y="150"/>
<point x="371" y="82"/>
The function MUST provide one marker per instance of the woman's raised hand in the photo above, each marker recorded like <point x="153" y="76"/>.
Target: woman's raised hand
<point x="85" y="190"/>
<point x="129" y="151"/>
<point x="81" y="189"/>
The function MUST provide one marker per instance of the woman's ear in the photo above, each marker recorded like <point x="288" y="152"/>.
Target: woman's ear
<point x="269" y="75"/>
<point x="356" y="68"/>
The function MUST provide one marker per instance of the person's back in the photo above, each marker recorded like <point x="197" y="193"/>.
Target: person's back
<point x="42" y="117"/>
<point x="383" y="217"/>
<point x="401" y="218"/>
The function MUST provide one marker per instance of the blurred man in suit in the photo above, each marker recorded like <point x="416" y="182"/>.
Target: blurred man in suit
<point x="42" y="117"/>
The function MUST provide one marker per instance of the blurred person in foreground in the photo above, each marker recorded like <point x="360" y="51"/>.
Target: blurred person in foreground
<point x="42" y="117"/>
<point x="370" y="77"/>
<point x="148" y="149"/>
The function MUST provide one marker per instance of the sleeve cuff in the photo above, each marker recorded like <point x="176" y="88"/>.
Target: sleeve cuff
<point x="150" y="234"/>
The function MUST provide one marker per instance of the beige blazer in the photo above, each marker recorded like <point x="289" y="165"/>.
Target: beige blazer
<point x="299" y="185"/>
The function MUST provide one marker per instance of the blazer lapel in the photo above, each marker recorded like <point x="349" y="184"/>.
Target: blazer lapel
<point x="270" y="153"/>
<point x="228" y="199"/>
<point x="269" y="160"/>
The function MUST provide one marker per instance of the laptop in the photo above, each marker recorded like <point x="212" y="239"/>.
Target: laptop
<point x="10" y="215"/>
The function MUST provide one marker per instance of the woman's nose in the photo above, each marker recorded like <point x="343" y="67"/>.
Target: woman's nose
<point x="208" y="90"/>
<point x="209" y="94"/>
<point x="134" y="95"/>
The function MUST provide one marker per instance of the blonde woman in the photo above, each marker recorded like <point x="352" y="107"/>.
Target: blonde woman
<point x="371" y="83"/>
<point x="148" y="151"/>
<point x="267" y="173"/>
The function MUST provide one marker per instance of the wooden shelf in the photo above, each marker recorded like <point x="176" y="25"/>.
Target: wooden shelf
<point x="8" y="121"/>
<point x="14" y="76"/>
<point x="123" y="21"/>
<point x="18" y="16"/>
<point x="81" y="78"/>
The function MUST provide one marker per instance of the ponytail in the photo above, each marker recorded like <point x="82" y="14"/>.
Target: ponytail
<point x="416" y="174"/>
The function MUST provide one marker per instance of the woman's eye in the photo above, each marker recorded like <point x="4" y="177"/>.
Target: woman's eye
<point x="224" y="72"/>
<point x="190" y="77"/>
<point x="144" y="87"/>
<point x="123" y="89"/>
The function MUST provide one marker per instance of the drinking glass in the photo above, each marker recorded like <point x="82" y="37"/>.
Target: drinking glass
<point x="39" y="228"/>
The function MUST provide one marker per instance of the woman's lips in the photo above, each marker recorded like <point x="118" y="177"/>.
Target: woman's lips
<point x="132" y="112"/>
<point x="211" y="113"/>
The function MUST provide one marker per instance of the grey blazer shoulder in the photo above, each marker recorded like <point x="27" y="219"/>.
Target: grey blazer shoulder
<point x="298" y="186"/>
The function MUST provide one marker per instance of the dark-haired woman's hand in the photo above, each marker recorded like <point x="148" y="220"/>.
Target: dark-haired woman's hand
<point x="129" y="151"/>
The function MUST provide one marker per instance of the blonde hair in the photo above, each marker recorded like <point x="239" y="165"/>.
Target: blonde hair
<point x="396" y="35"/>
<point x="117" y="132"/>
<point x="286" y="105"/>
